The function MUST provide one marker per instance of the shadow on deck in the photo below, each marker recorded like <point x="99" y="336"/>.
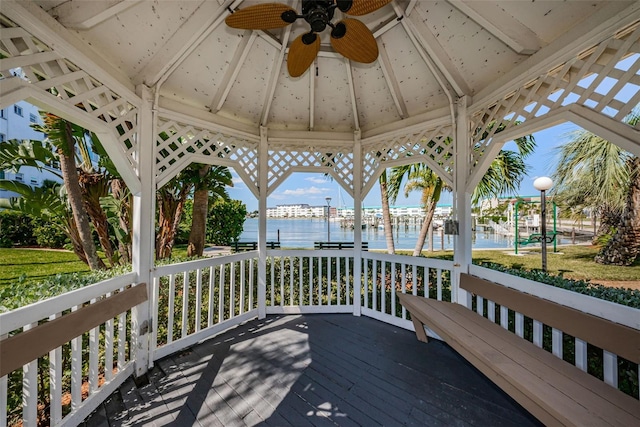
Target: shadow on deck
<point x="312" y="370"/>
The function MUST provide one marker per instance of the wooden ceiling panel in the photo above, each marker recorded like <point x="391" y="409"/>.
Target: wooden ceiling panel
<point x="333" y="109"/>
<point x="373" y="96"/>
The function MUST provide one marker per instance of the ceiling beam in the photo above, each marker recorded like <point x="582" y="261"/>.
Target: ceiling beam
<point x="273" y="79"/>
<point x="410" y="7"/>
<point x="503" y="26"/>
<point x="206" y="18"/>
<point x="352" y="94"/>
<point x="241" y="53"/>
<point x="90" y="14"/>
<point x="392" y="81"/>
<point x="436" y="56"/>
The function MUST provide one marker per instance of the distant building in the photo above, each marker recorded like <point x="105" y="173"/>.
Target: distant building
<point x="15" y="123"/>
<point x="307" y="211"/>
<point x="299" y="211"/>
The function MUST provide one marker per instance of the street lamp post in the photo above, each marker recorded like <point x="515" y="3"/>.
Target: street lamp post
<point x="543" y="184"/>
<point x="328" y="199"/>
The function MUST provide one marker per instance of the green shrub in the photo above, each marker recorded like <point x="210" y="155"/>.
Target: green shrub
<point x="225" y="221"/>
<point x="48" y="236"/>
<point x="15" y="229"/>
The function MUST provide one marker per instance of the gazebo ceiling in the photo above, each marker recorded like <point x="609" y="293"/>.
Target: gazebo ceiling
<point x="430" y="53"/>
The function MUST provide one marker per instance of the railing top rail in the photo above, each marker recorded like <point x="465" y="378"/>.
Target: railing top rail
<point x="37" y="311"/>
<point x="617" y="313"/>
<point x="181" y="267"/>
<point x="406" y="259"/>
<point x="313" y="253"/>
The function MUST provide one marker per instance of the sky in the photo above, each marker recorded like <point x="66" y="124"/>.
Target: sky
<point x="313" y="188"/>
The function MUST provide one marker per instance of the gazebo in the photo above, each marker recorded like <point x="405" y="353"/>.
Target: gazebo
<point x="166" y="83"/>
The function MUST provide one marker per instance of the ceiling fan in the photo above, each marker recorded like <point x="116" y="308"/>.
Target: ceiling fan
<point x="349" y="37"/>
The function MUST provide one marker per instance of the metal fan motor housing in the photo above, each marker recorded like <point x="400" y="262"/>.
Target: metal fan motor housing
<point x="318" y="13"/>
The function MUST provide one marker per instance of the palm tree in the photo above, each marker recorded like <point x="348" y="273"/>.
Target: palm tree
<point x="386" y="213"/>
<point x="63" y="135"/>
<point x="419" y="177"/>
<point x="596" y="174"/>
<point x="210" y="180"/>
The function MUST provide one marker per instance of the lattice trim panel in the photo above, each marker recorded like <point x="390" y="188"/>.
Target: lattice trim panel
<point x="180" y="144"/>
<point x="432" y="146"/>
<point x="600" y="78"/>
<point x="283" y="160"/>
<point x="48" y="71"/>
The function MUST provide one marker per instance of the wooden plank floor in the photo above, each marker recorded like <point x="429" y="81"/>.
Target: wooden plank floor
<point x="313" y="370"/>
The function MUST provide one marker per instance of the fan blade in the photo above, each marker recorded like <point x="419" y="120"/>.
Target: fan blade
<point x="262" y="17"/>
<point x="302" y="53"/>
<point x="360" y="7"/>
<point x="353" y="40"/>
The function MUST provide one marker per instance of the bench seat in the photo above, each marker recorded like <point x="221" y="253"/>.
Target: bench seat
<point x="554" y="391"/>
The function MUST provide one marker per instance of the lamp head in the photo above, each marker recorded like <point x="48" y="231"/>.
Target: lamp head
<point x="328" y="199"/>
<point x="543" y="183"/>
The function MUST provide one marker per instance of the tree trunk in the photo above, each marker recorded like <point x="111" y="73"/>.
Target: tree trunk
<point x="386" y="214"/>
<point x="74" y="195"/>
<point x="199" y="216"/>
<point x="170" y="215"/>
<point x="624" y="246"/>
<point x="94" y="186"/>
<point x="119" y="192"/>
<point x="424" y="230"/>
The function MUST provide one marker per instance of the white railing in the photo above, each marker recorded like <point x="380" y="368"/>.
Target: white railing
<point x="384" y="275"/>
<point x="99" y="359"/>
<point x="221" y="293"/>
<point x="305" y="281"/>
<point x="533" y="330"/>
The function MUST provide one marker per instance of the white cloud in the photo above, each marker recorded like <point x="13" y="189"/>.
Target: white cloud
<point x="317" y="180"/>
<point x="237" y="180"/>
<point x="309" y="191"/>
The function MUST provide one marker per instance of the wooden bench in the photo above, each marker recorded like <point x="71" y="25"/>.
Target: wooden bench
<point x="339" y="245"/>
<point x="252" y="246"/>
<point x="554" y="391"/>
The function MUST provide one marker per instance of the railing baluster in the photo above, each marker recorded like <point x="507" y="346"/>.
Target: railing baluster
<point x="439" y="283"/>
<point x="392" y="285"/>
<point x="365" y="282"/>
<point x="504" y="317"/>
<point x="374" y="295"/>
<point x="556" y="342"/>
<point x="301" y="280"/>
<point x="172" y="303"/>
<point x="581" y="354"/>
<point x="198" y="299"/>
<point x="273" y="281"/>
<point x="232" y="291"/>
<point x="242" y="287"/>
<point x="520" y="325"/>
<point x="426" y="279"/>
<point x="76" y="370"/>
<point x="291" y="271"/>
<point x="383" y="288"/>
<point x="329" y="280"/>
<point x="122" y="339"/>
<point x="319" y="281"/>
<point x="403" y="274"/>
<point x="221" y="286"/>
<point x="251" y="284"/>
<point x="338" y="281"/>
<point x="491" y="310"/>
<point x="155" y="304"/>
<point x="212" y="288"/>
<point x="414" y="279"/>
<point x="537" y="333"/>
<point x="30" y="389"/>
<point x="311" y="262"/>
<point x="479" y="305"/>
<point x="347" y="281"/>
<point x="610" y="368"/>
<point x="93" y="357"/>
<point x="282" y="281"/>
<point x="55" y="381"/>
<point x="185" y="303"/>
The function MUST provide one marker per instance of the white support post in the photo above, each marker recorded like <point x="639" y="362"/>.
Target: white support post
<point x="143" y="231"/>
<point x="462" y="203"/>
<point x="357" y="221"/>
<point x="263" y="178"/>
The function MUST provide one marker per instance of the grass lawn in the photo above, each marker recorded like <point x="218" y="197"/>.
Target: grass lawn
<point x="36" y="264"/>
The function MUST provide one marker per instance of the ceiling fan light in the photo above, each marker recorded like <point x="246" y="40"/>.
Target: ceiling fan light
<point x="344" y="5"/>
<point x="339" y="30"/>
<point x="309" y="38"/>
<point x="289" y="16"/>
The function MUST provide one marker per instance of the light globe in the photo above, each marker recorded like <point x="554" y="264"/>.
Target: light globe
<point x="543" y="183"/>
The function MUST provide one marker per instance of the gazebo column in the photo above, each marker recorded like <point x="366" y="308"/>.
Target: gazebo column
<point x="143" y="231"/>
<point x="462" y="202"/>
<point x="357" y="221"/>
<point x="263" y="179"/>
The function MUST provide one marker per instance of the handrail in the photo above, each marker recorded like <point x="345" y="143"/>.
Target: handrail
<point x="181" y="267"/>
<point x="31" y="313"/>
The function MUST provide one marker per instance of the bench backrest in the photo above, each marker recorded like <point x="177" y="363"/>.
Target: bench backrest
<point x="338" y="245"/>
<point x="613" y="337"/>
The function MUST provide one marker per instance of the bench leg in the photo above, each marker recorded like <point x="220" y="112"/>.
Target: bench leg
<point x="419" y="327"/>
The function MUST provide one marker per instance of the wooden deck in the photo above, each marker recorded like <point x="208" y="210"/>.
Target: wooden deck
<point x="313" y="370"/>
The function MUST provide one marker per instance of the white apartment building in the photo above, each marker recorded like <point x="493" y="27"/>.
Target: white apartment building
<point x="15" y="123"/>
<point x="441" y="211"/>
<point x="298" y="211"/>
<point x="307" y="211"/>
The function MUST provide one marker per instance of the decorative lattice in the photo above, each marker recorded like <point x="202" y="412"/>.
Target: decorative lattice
<point x="179" y="144"/>
<point x="31" y="59"/>
<point x="600" y="78"/>
<point x="432" y="146"/>
<point x="338" y="161"/>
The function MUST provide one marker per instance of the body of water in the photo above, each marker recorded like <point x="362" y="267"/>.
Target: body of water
<point x="301" y="233"/>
